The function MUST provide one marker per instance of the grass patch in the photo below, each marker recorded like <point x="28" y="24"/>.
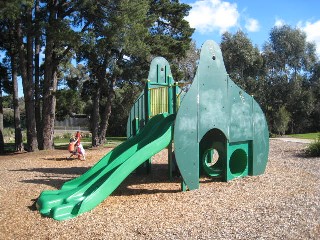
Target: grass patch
<point x="120" y="139"/>
<point x="312" y="136"/>
<point x="62" y="143"/>
<point x="313" y="149"/>
<point x="66" y="140"/>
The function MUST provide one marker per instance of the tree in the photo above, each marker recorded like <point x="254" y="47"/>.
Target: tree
<point x="290" y="50"/>
<point x="187" y="65"/>
<point x="281" y="120"/>
<point x="315" y="89"/>
<point x="170" y="34"/>
<point x="126" y="94"/>
<point x="8" y="43"/>
<point x="288" y="58"/>
<point x="24" y="29"/>
<point x="116" y="36"/>
<point x="243" y="61"/>
<point x="106" y="48"/>
<point x="2" y="79"/>
<point x="122" y="49"/>
<point x="60" y="38"/>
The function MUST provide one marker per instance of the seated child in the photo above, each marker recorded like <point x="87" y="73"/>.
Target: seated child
<point x="76" y="149"/>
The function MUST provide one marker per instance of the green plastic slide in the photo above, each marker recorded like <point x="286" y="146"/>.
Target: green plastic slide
<point x="88" y="190"/>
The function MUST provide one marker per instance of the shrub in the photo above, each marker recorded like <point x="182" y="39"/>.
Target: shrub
<point x="313" y="149"/>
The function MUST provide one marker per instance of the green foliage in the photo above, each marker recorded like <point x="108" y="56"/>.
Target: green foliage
<point x="7" y="101"/>
<point x="287" y="56"/>
<point x="126" y="94"/>
<point x="289" y="49"/>
<point x="170" y="33"/>
<point x="313" y="149"/>
<point x="68" y="103"/>
<point x="281" y="120"/>
<point x="187" y="65"/>
<point x="243" y="61"/>
<point x="9" y="134"/>
<point x="8" y="118"/>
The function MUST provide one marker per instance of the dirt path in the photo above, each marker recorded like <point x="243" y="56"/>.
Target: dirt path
<point x="295" y="140"/>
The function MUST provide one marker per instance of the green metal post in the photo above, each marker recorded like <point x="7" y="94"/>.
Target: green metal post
<point x="175" y="94"/>
<point x="135" y="126"/>
<point x="183" y="186"/>
<point x="170" y="95"/>
<point x="170" y="163"/>
<point x="147" y="164"/>
<point x="147" y="101"/>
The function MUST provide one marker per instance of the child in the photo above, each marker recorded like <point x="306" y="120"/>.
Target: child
<point x="72" y="148"/>
<point x="81" y="152"/>
<point x="80" y="149"/>
<point x="76" y="149"/>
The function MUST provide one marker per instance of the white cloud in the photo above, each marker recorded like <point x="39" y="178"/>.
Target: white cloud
<point x="312" y="31"/>
<point x="252" y="25"/>
<point x="279" y="22"/>
<point x="213" y="15"/>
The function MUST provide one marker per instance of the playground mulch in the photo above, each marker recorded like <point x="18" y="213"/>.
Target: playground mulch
<point x="283" y="203"/>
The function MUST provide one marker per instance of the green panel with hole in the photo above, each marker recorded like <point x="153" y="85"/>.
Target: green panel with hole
<point x="238" y="160"/>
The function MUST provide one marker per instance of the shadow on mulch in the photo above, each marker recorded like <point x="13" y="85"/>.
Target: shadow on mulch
<point x="55" y="179"/>
<point x="159" y="174"/>
<point x="60" y="158"/>
<point x="302" y="155"/>
<point x="33" y="207"/>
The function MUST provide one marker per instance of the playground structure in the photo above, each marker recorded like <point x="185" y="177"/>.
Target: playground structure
<point x="215" y="128"/>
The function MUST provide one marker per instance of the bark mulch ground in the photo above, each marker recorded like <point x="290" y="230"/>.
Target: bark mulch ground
<point x="283" y="203"/>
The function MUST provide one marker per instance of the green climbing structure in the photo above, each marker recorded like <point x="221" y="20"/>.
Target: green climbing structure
<point x="219" y="128"/>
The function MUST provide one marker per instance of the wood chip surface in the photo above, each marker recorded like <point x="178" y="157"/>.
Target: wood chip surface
<point x="283" y="203"/>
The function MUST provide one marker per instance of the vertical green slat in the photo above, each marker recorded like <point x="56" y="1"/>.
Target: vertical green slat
<point x="147" y="101"/>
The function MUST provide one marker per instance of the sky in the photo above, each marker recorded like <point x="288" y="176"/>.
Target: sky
<point x="256" y="18"/>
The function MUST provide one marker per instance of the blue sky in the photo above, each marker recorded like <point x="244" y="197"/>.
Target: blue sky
<point x="256" y="18"/>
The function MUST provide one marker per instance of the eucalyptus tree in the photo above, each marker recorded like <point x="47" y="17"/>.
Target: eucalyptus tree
<point x="115" y="37"/>
<point x="62" y="31"/>
<point x="3" y="76"/>
<point x="288" y="60"/>
<point x="170" y="34"/>
<point x="315" y="87"/>
<point x="11" y="45"/>
<point x="187" y="65"/>
<point x="121" y="45"/>
<point x="243" y="61"/>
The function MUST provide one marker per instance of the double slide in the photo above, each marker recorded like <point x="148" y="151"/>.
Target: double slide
<point x="88" y="190"/>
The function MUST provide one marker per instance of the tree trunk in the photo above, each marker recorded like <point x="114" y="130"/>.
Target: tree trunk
<point x="28" y="89"/>
<point x="37" y="77"/>
<point x="49" y="103"/>
<point x="16" y="111"/>
<point x="106" y="113"/>
<point x="95" y="118"/>
<point x="1" y="123"/>
<point x="49" y="84"/>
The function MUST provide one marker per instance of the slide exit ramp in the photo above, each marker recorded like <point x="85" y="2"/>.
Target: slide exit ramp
<point x="88" y="190"/>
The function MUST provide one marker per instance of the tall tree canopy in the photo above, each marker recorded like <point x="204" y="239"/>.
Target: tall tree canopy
<point x="283" y="77"/>
<point x="115" y="39"/>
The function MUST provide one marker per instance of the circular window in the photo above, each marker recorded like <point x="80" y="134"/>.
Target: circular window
<point x="211" y="160"/>
<point x="238" y="162"/>
<point x="212" y="156"/>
